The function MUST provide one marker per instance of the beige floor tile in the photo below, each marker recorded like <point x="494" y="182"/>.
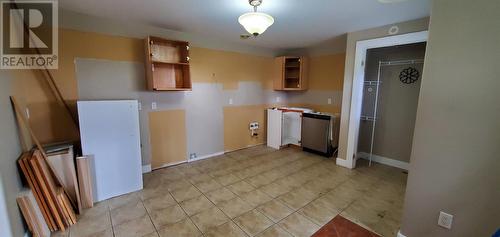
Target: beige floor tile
<point x="227" y="179"/>
<point x="103" y="233"/>
<point x="63" y="233"/>
<point x="220" y="195"/>
<point x="133" y="228"/>
<point x="89" y="226"/>
<point x="274" y="231"/>
<point x="119" y="201"/>
<point x="253" y="222"/>
<point x="256" y="198"/>
<point x="240" y="187"/>
<point x="318" y="213"/>
<point x="159" y="202"/>
<point x="209" y="218"/>
<point x="208" y="185"/>
<point x="273" y="175"/>
<point x="220" y="172"/>
<point x="148" y="193"/>
<point x="184" y="228"/>
<point x="234" y="207"/>
<point x="154" y="234"/>
<point x="290" y="175"/>
<point x="297" y="198"/>
<point x="177" y="184"/>
<point x="98" y="209"/>
<point x="275" y="189"/>
<point x="275" y="210"/>
<point x="167" y="215"/>
<point x="127" y="212"/>
<point x="185" y="193"/>
<point x="298" y="225"/>
<point x="196" y="205"/>
<point x="229" y="229"/>
<point x="258" y="180"/>
<point x="199" y="178"/>
<point x="363" y="212"/>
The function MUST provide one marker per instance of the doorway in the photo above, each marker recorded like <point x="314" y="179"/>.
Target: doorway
<point x="389" y="104"/>
<point x="355" y="110"/>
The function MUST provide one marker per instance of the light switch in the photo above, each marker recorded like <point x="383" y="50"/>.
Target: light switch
<point x="153" y="106"/>
<point x="139" y="105"/>
<point x="329" y="101"/>
<point x="230" y="101"/>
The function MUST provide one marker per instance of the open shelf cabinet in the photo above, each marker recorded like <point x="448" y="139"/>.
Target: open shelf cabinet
<point x="290" y="73"/>
<point x="167" y="64"/>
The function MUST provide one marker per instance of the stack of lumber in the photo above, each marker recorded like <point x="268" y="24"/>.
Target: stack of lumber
<point x="33" y="215"/>
<point x="59" y="185"/>
<point x="56" y="209"/>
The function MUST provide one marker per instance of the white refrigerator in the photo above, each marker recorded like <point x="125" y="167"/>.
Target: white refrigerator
<point x="109" y="132"/>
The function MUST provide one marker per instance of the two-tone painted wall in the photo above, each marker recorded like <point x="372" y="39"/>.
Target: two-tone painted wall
<point x="230" y="89"/>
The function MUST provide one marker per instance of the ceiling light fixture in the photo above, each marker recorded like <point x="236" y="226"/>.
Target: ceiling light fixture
<point x="255" y="22"/>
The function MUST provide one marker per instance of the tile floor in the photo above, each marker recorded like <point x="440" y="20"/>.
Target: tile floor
<point x="252" y="192"/>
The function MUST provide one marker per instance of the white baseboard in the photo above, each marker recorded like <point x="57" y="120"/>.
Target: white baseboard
<point x="146" y="168"/>
<point x="207" y="156"/>
<point x="248" y="146"/>
<point x="385" y="160"/>
<point x="344" y="163"/>
<point x="170" y="164"/>
<point x="400" y="235"/>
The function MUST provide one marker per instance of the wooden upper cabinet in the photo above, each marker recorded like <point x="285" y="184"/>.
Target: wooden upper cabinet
<point x="290" y="73"/>
<point x="167" y="64"/>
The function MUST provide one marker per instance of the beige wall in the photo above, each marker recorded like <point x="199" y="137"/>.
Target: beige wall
<point x="209" y="67"/>
<point x="352" y="38"/>
<point x="11" y="223"/>
<point x="455" y="158"/>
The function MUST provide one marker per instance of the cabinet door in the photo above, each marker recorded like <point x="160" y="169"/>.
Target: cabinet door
<point x="274" y="126"/>
<point x="278" y="72"/>
<point x="304" y="73"/>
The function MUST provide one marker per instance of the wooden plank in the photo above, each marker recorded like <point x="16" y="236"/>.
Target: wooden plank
<point x="44" y="229"/>
<point x="32" y="183"/>
<point x="63" y="165"/>
<point x="65" y="214"/>
<point x="67" y="205"/>
<point x="85" y="181"/>
<point x="27" y="216"/>
<point x="47" y="189"/>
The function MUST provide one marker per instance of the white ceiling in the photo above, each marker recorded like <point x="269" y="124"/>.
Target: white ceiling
<point x="298" y="23"/>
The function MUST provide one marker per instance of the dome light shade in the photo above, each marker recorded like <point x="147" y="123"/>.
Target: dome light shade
<point x="256" y="22"/>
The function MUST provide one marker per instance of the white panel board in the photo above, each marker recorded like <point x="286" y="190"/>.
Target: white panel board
<point x="274" y="122"/>
<point x="110" y="133"/>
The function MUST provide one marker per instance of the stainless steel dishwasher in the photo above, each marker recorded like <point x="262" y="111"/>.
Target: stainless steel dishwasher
<point x="318" y="133"/>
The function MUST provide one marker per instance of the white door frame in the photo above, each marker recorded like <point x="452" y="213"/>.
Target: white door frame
<point x="358" y="78"/>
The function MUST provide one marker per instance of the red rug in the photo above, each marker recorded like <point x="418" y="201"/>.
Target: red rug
<point x="341" y="227"/>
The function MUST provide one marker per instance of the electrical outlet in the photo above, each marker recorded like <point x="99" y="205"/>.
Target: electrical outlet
<point x="139" y="105"/>
<point x="230" y="101"/>
<point x="254" y="125"/>
<point x="445" y="220"/>
<point x="329" y="101"/>
<point x="192" y="156"/>
<point x="153" y="105"/>
<point x="278" y="99"/>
